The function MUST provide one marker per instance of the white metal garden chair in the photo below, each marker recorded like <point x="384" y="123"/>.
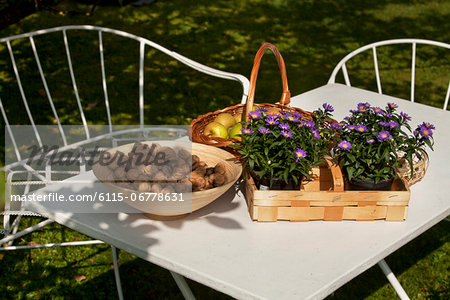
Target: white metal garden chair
<point x="416" y="46"/>
<point x="374" y="48"/>
<point x="23" y="50"/>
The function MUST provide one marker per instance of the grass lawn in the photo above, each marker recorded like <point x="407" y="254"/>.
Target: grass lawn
<point x="312" y="37"/>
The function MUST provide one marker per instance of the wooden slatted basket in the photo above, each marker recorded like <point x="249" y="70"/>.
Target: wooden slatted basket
<point x="326" y="197"/>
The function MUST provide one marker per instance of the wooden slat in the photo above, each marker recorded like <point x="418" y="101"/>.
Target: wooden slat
<point x="364" y="213"/>
<point x="392" y="196"/>
<point x="333" y="213"/>
<point x="396" y="213"/>
<point x="267" y="214"/>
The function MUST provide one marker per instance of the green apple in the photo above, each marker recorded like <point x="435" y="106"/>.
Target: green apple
<point x="235" y="131"/>
<point x="215" y="129"/>
<point x="226" y="119"/>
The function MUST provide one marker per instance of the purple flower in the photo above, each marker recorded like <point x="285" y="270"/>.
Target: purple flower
<point x="286" y="134"/>
<point x="262" y="109"/>
<point x="297" y="115"/>
<point x="405" y="116"/>
<point x="425" y="132"/>
<point x="264" y="130"/>
<point x="274" y="116"/>
<point x="254" y="115"/>
<point x="316" y="134"/>
<point x="291" y="118"/>
<point x="351" y="127"/>
<point x="386" y="114"/>
<point x="392" y="124"/>
<point x="384" y="124"/>
<point x="370" y="141"/>
<point x="299" y="153"/>
<point x="363" y="107"/>
<point x="361" y="128"/>
<point x="271" y="121"/>
<point x="328" y="107"/>
<point x="246" y="130"/>
<point x="391" y="105"/>
<point x="344" y="145"/>
<point x="428" y="125"/>
<point x="377" y="110"/>
<point x="309" y="124"/>
<point x="384" y="136"/>
<point x="348" y="118"/>
<point x="337" y="126"/>
<point x="284" y="126"/>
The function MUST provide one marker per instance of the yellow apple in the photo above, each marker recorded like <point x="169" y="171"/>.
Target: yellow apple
<point x="274" y="111"/>
<point x="234" y="131"/>
<point x="238" y="117"/>
<point x="215" y="129"/>
<point x="226" y="119"/>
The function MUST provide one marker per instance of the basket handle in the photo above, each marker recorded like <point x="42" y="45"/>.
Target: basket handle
<point x="338" y="179"/>
<point x="286" y="95"/>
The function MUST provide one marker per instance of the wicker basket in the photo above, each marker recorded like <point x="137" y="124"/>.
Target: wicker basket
<point x="199" y="124"/>
<point x="420" y="166"/>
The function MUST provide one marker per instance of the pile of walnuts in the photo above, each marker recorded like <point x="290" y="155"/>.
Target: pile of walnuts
<point x="161" y="169"/>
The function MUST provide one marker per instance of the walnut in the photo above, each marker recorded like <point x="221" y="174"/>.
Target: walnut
<point x="159" y="177"/>
<point x="144" y="187"/>
<point x="179" y="173"/>
<point x="198" y="183"/>
<point x="219" y="180"/>
<point x="167" y="190"/>
<point x="167" y="171"/>
<point x="199" y="170"/>
<point x="120" y="174"/>
<point x="195" y="159"/>
<point x="150" y="170"/>
<point x="184" y="155"/>
<point x="107" y="174"/>
<point x="156" y="188"/>
<point x="169" y="153"/>
<point x="209" y="171"/>
<point x="134" y="174"/>
<point x="220" y="168"/>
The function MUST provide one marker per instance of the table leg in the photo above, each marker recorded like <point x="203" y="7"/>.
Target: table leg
<point x="116" y="272"/>
<point x="183" y="286"/>
<point x="393" y="280"/>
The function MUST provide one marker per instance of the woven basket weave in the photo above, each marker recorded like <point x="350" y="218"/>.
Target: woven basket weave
<point x="420" y="166"/>
<point x="199" y="124"/>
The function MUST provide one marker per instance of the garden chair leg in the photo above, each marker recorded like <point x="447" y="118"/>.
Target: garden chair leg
<point x="393" y="280"/>
<point x="116" y="272"/>
<point x="183" y="286"/>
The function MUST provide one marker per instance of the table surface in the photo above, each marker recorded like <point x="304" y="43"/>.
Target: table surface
<point x="220" y="246"/>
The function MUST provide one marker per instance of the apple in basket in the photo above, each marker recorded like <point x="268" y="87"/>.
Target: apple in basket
<point x="220" y="126"/>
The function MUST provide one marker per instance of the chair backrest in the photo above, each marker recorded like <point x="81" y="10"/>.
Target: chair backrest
<point x="435" y="58"/>
<point x="42" y="79"/>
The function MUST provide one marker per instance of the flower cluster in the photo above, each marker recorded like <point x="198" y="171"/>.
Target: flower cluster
<point x="370" y="140"/>
<point x="284" y="145"/>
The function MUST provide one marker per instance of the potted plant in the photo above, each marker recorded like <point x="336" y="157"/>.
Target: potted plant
<point x="280" y="147"/>
<point x="371" y="141"/>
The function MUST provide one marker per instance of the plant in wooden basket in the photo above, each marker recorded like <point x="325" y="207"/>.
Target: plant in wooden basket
<point x="283" y="146"/>
<point x="370" y="141"/>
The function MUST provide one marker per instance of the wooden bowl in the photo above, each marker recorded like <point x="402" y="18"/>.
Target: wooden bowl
<point x="165" y="210"/>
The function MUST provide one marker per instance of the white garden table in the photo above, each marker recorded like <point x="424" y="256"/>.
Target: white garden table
<point x="219" y="246"/>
